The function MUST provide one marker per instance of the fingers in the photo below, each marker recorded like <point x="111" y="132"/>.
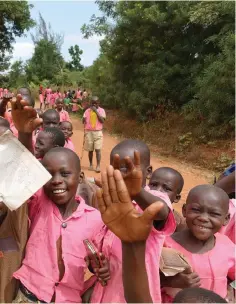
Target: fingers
<point x="137" y="161"/>
<point x="105" y="189"/>
<point x="122" y="191"/>
<point x="188" y="270"/>
<point x="98" y="182"/>
<point x="116" y="162"/>
<point x="37" y="122"/>
<point x="101" y="203"/>
<point x="151" y="212"/>
<point x="87" y="261"/>
<point x="129" y="164"/>
<point x="112" y="184"/>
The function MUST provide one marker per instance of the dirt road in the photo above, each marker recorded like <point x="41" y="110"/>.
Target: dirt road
<point x="192" y="176"/>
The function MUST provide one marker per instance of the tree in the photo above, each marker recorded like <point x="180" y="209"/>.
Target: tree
<point x="45" y="63"/>
<point x="75" y="53"/>
<point x="14" y="21"/>
<point x="17" y="77"/>
<point x="166" y="52"/>
<point x="45" y="32"/>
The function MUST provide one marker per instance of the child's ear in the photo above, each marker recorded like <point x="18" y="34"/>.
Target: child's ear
<point x="72" y="133"/>
<point x="176" y="200"/>
<point x="149" y="172"/>
<point x="81" y="177"/>
<point x="184" y="210"/>
<point x="227" y="218"/>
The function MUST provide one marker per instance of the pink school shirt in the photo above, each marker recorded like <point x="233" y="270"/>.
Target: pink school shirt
<point x="229" y="229"/>
<point x="99" y="125"/>
<point x="48" y="92"/>
<point x="78" y="95"/>
<point x="112" y="248"/>
<point x="213" y="267"/>
<point x="39" y="272"/>
<point x="64" y="115"/>
<point x="69" y="145"/>
<point x="1" y="92"/>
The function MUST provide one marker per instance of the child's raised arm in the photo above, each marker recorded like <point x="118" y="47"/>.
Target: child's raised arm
<point x="25" y="120"/>
<point x="133" y="180"/>
<point x="120" y="216"/>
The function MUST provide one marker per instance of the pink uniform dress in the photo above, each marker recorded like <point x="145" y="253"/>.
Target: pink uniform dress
<point x="69" y="145"/>
<point x="111" y="246"/>
<point x="49" y="93"/>
<point x="64" y="115"/>
<point x="1" y="92"/>
<point x="213" y="267"/>
<point x="229" y="229"/>
<point x="39" y="272"/>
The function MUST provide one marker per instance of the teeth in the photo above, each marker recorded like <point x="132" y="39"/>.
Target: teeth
<point x="201" y="227"/>
<point x="59" y="191"/>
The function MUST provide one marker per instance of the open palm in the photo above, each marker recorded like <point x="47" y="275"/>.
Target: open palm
<point x="118" y="212"/>
<point x="24" y="117"/>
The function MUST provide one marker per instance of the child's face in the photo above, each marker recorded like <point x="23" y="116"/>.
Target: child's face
<point x="59" y="105"/>
<point x="205" y="214"/>
<point x="166" y="182"/>
<point x="51" y="121"/>
<point x="66" y="128"/>
<point x="62" y="187"/>
<point x="44" y="143"/>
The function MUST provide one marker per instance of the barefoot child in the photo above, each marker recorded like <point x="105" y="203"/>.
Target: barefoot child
<point x="67" y="129"/>
<point x="53" y="268"/>
<point x="210" y="254"/>
<point x="122" y="156"/>
<point x="171" y="182"/>
<point x="64" y="116"/>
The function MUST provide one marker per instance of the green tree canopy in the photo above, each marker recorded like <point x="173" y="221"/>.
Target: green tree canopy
<point x="75" y="53"/>
<point x="14" y="21"/>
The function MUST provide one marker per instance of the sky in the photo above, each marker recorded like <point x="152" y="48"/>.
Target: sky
<point x="65" y="17"/>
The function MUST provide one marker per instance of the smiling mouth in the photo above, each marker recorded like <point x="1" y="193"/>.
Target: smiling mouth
<point x="202" y="227"/>
<point x="58" y="191"/>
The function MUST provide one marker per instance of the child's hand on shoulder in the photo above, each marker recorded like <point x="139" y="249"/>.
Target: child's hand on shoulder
<point x="24" y="117"/>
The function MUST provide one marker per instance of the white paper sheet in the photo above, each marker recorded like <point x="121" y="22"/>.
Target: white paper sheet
<point x="21" y="174"/>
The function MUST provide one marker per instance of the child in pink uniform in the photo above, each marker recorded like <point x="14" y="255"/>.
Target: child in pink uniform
<point x="110" y="244"/>
<point x="48" y="92"/>
<point x="53" y="268"/>
<point x="211" y="255"/>
<point x="67" y="128"/>
<point x="1" y="92"/>
<point x="171" y="182"/>
<point x="64" y="115"/>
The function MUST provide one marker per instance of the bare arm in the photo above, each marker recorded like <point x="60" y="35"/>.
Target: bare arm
<point x="144" y="199"/>
<point x="26" y="140"/>
<point x="100" y="118"/>
<point x="135" y="279"/>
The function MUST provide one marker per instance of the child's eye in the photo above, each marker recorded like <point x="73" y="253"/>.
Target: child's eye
<point x="195" y="209"/>
<point x="64" y="174"/>
<point x="215" y="214"/>
<point x="166" y="188"/>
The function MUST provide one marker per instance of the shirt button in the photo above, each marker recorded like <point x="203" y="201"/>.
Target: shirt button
<point x="56" y="284"/>
<point x="64" y="225"/>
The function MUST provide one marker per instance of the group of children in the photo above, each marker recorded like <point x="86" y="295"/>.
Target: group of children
<point x="48" y="97"/>
<point x="136" y="221"/>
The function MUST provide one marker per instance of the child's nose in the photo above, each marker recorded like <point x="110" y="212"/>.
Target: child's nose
<point x="56" y="180"/>
<point x="203" y="217"/>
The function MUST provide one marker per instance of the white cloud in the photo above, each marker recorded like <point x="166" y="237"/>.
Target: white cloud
<point x="22" y="50"/>
<point x="79" y="38"/>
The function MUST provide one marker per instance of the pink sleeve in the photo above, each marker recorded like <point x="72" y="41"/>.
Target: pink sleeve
<point x="102" y="113"/>
<point x="231" y="271"/>
<point x="67" y="116"/>
<point x="170" y="224"/>
<point x="34" y="204"/>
